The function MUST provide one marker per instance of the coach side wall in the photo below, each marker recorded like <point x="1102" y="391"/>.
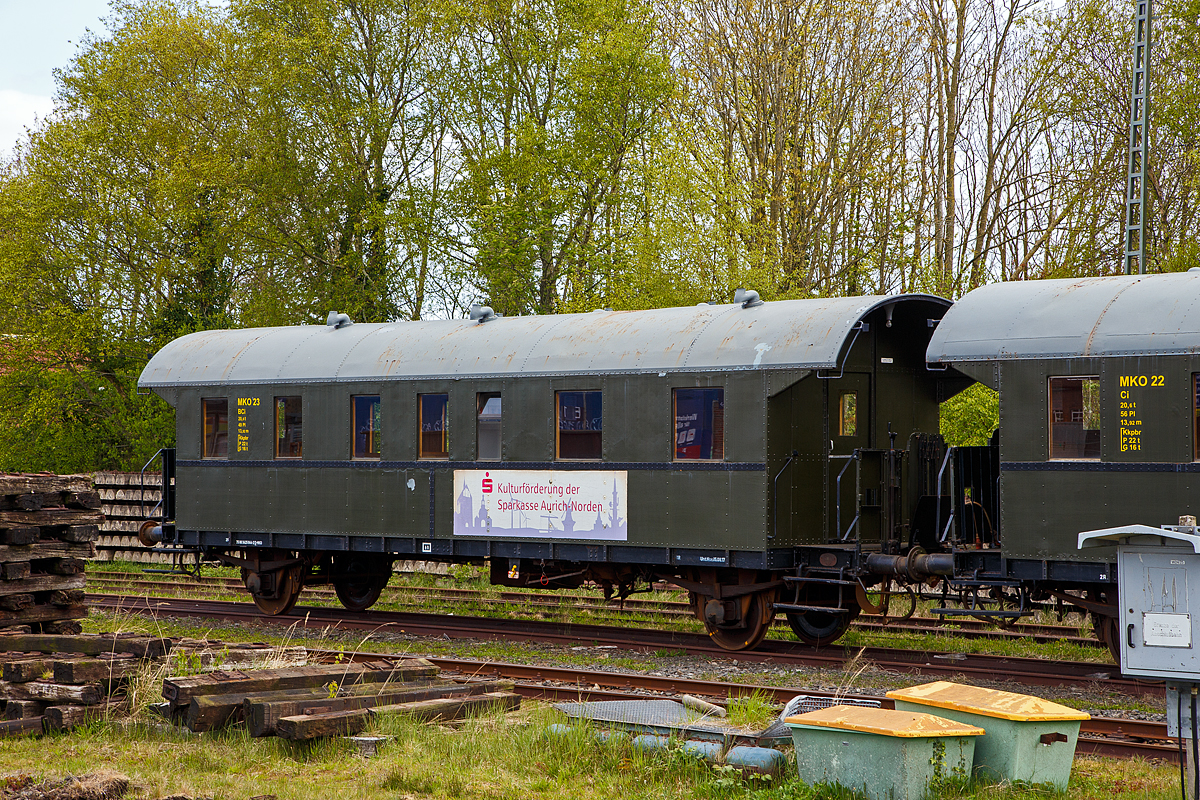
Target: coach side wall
<point x="328" y="494"/>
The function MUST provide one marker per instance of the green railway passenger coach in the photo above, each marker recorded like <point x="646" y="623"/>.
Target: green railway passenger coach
<point x="757" y="454"/>
<point x="1099" y="384"/>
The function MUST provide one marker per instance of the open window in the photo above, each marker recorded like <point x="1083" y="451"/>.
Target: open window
<point x="289" y="430"/>
<point x="579" y="425"/>
<point x="366" y="426"/>
<point x="216" y="427"/>
<point x="487" y="426"/>
<point x="1075" y="417"/>
<point x="435" y="426"/>
<point x="699" y="424"/>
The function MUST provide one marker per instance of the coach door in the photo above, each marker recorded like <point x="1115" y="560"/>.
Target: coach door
<point x="849" y="434"/>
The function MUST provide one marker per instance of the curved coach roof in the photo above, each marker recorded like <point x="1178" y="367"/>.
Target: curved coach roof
<point x="1118" y="316"/>
<point x="807" y="334"/>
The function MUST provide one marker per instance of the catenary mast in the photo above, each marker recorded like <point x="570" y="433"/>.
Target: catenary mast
<point x="1139" y="128"/>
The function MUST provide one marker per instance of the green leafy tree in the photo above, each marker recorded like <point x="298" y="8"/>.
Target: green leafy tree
<point x="117" y="225"/>
<point x="970" y="417"/>
<point x="347" y="142"/>
<point x="550" y="98"/>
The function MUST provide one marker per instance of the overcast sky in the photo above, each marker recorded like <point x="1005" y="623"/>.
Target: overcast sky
<point x="37" y="37"/>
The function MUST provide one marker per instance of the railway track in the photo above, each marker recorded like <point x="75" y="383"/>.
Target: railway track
<point x="1028" y="671"/>
<point x="595" y="605"/>
<point x="1119" y="738"/>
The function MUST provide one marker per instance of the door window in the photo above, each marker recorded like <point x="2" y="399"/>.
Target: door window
<point x="848" y="414"/>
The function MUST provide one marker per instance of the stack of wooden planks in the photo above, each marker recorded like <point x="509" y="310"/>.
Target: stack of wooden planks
<point x="48" y="526"/>
<point x="56" y="682"/>
<point x="59" y="681"/>
<point x="327" y="700"/>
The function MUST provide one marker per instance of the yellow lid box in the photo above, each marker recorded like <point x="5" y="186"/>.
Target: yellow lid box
<point x="986" y="702"/>
<point x="883" y="721"/>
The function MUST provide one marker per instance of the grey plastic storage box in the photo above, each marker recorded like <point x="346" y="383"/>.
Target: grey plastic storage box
<point x="1028" y="738"/>
<point x="885" y="754"/>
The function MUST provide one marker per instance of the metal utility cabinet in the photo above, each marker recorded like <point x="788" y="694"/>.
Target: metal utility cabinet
<point x="1156" y="570"/>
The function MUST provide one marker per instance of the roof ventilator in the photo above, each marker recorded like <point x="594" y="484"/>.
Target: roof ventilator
<point x="336" y="320"/>
<point x="747" y="297"/>
<point x="482" y="313"/>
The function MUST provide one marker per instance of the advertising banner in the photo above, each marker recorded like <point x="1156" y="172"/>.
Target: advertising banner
<point x="541" y="504"/>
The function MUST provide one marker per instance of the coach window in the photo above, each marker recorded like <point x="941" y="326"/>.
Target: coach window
<point x="216" y="427"/>
<point x="1196" y="416"/>
<point x="1075" y="417"/>
<point x="487" y="426"/>
<point x="848" y="414"/>
<point x="580" y="425"/>
<point x="289" y="432"/>
<point x="434" y="427"/>
<point x="699" y="424"/>
<point x="366" y="426"/>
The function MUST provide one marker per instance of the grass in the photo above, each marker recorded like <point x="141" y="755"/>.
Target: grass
<point x="488" y="756"/>
<point x="753" y="711"/>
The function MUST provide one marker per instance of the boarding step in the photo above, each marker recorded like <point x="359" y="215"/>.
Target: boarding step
<point x="817" y="579"/>
<point x="786" y="607"/>
<point x="983" y="583"/>
<point x="977" y="612"/>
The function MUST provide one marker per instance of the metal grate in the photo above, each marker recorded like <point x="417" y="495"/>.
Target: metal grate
<point x="802" y="704"/>
<point x="637" y="713"/>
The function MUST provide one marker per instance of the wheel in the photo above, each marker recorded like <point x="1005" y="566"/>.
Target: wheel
<point x="289" y="582"/>
<point x="758" y="612"/>
<point x="1108" y="631"/>
<point x="358" y="581"/>
<point x="820" y="628"/>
